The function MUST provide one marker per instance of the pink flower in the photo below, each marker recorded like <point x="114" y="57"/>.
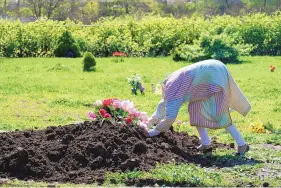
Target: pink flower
<point x="134" y="112"/>
<point x="137" y="114"/>
<point x="116" y="104"/>
<point x="124" y="104"/>
<point x="129" y="107"/>
<point x="107" y="115"/>
<point x="131" y="110"/>
<point x="92" y="115"/>
<point x="143" y="116"/>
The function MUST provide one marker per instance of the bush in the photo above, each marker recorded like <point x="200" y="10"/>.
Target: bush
<point x="190" y="53"/>
<point x="220" y="47"/>
<point x="89" y="62"/>
<point x="67" y="46"/>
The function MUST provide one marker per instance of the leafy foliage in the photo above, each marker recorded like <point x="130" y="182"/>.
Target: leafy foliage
<point x="216" y="47"/>
<point x="150" y="36"/>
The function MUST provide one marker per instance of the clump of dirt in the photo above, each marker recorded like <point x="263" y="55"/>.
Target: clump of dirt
<point x="82" y="153"/>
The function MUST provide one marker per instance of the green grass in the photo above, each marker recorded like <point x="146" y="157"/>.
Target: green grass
<point x="39" y="92"/>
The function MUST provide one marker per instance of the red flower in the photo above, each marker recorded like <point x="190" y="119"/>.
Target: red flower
<point x="119" y="54"/>
<point x="129" y="120"/>
<point x="103" y="112"/>
<point x="107" y="115"/>
<point x="272" y="67"/>
<point x="107" y="102"/>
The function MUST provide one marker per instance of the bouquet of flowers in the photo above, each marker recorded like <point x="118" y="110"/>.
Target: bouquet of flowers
<point x="135" y="83"/>
<point x="123" y="112"/>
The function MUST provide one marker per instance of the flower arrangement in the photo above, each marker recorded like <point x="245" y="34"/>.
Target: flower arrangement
<point x="272" y="68"/>
<point x="123" y="112"/>
<point x="135" y="82"/>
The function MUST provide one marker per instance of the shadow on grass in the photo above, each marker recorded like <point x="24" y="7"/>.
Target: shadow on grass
<point x="230" y="161"/>
<point x="238" y="62"/>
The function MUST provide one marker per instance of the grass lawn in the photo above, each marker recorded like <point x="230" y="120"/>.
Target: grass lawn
<point x="39" y="92"/>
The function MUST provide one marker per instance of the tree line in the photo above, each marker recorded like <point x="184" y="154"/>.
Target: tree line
<point x="88" y="11"/>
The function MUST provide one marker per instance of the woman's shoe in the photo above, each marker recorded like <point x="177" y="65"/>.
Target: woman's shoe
<point x="204" y="147"/>
<point x="242" y="150"/>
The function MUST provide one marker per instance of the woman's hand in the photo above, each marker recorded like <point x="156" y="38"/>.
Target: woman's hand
<point x="145" y="132"/>
<point x="144" y="129"/>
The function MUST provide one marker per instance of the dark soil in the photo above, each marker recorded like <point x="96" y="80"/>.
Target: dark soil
<point x="82" y="153"/>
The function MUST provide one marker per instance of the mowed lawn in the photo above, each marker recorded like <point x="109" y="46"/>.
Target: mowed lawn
<point x="39" y="92"/>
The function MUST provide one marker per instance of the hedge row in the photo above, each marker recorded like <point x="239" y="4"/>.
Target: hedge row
<point x="149" y="36"/>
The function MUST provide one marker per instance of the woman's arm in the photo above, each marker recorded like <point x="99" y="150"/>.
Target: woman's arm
<point x="172" y="109"/>
<point x="158" y="115"/>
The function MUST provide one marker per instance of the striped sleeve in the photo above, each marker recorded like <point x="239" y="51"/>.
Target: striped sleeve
<point x="160" y="110"/>
<point x="172" y="108"/>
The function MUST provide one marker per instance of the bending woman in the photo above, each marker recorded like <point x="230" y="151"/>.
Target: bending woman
<point x="211" y="91"/>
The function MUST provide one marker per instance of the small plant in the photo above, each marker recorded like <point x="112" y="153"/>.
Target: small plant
<point x="275" y="139"/>
<point x="59" y="67"/>
<point x="67" y="46"/>
<point x="259" y="127"/>
<point x="89" y="62"/>
<point x="123" y="112"/>
<point x="135" y="82"/>
<point x="118" y="60"/>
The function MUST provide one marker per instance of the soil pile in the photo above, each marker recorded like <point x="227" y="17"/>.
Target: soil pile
<point x="82" y="153"/>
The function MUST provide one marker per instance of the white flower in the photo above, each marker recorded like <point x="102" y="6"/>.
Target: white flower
<point x="98" y="103"/>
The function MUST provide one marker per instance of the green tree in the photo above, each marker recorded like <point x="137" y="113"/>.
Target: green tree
<point x="91" y="11"/>
<point x="51" y="5"/>
<point x="36" y="6"/>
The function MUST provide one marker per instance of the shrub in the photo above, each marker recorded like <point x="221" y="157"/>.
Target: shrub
<point x="67" y="46"/>
<point x="89" y="62"/>
<point x="59" y="67"/>
<point x="186" y="52"/>
<point x="220" y="47"/>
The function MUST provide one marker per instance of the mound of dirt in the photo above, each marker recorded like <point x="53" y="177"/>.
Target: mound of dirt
<point x="82" y="153"/>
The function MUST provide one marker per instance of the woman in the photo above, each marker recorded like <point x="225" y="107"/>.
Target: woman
<point x="211" y="91"/>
